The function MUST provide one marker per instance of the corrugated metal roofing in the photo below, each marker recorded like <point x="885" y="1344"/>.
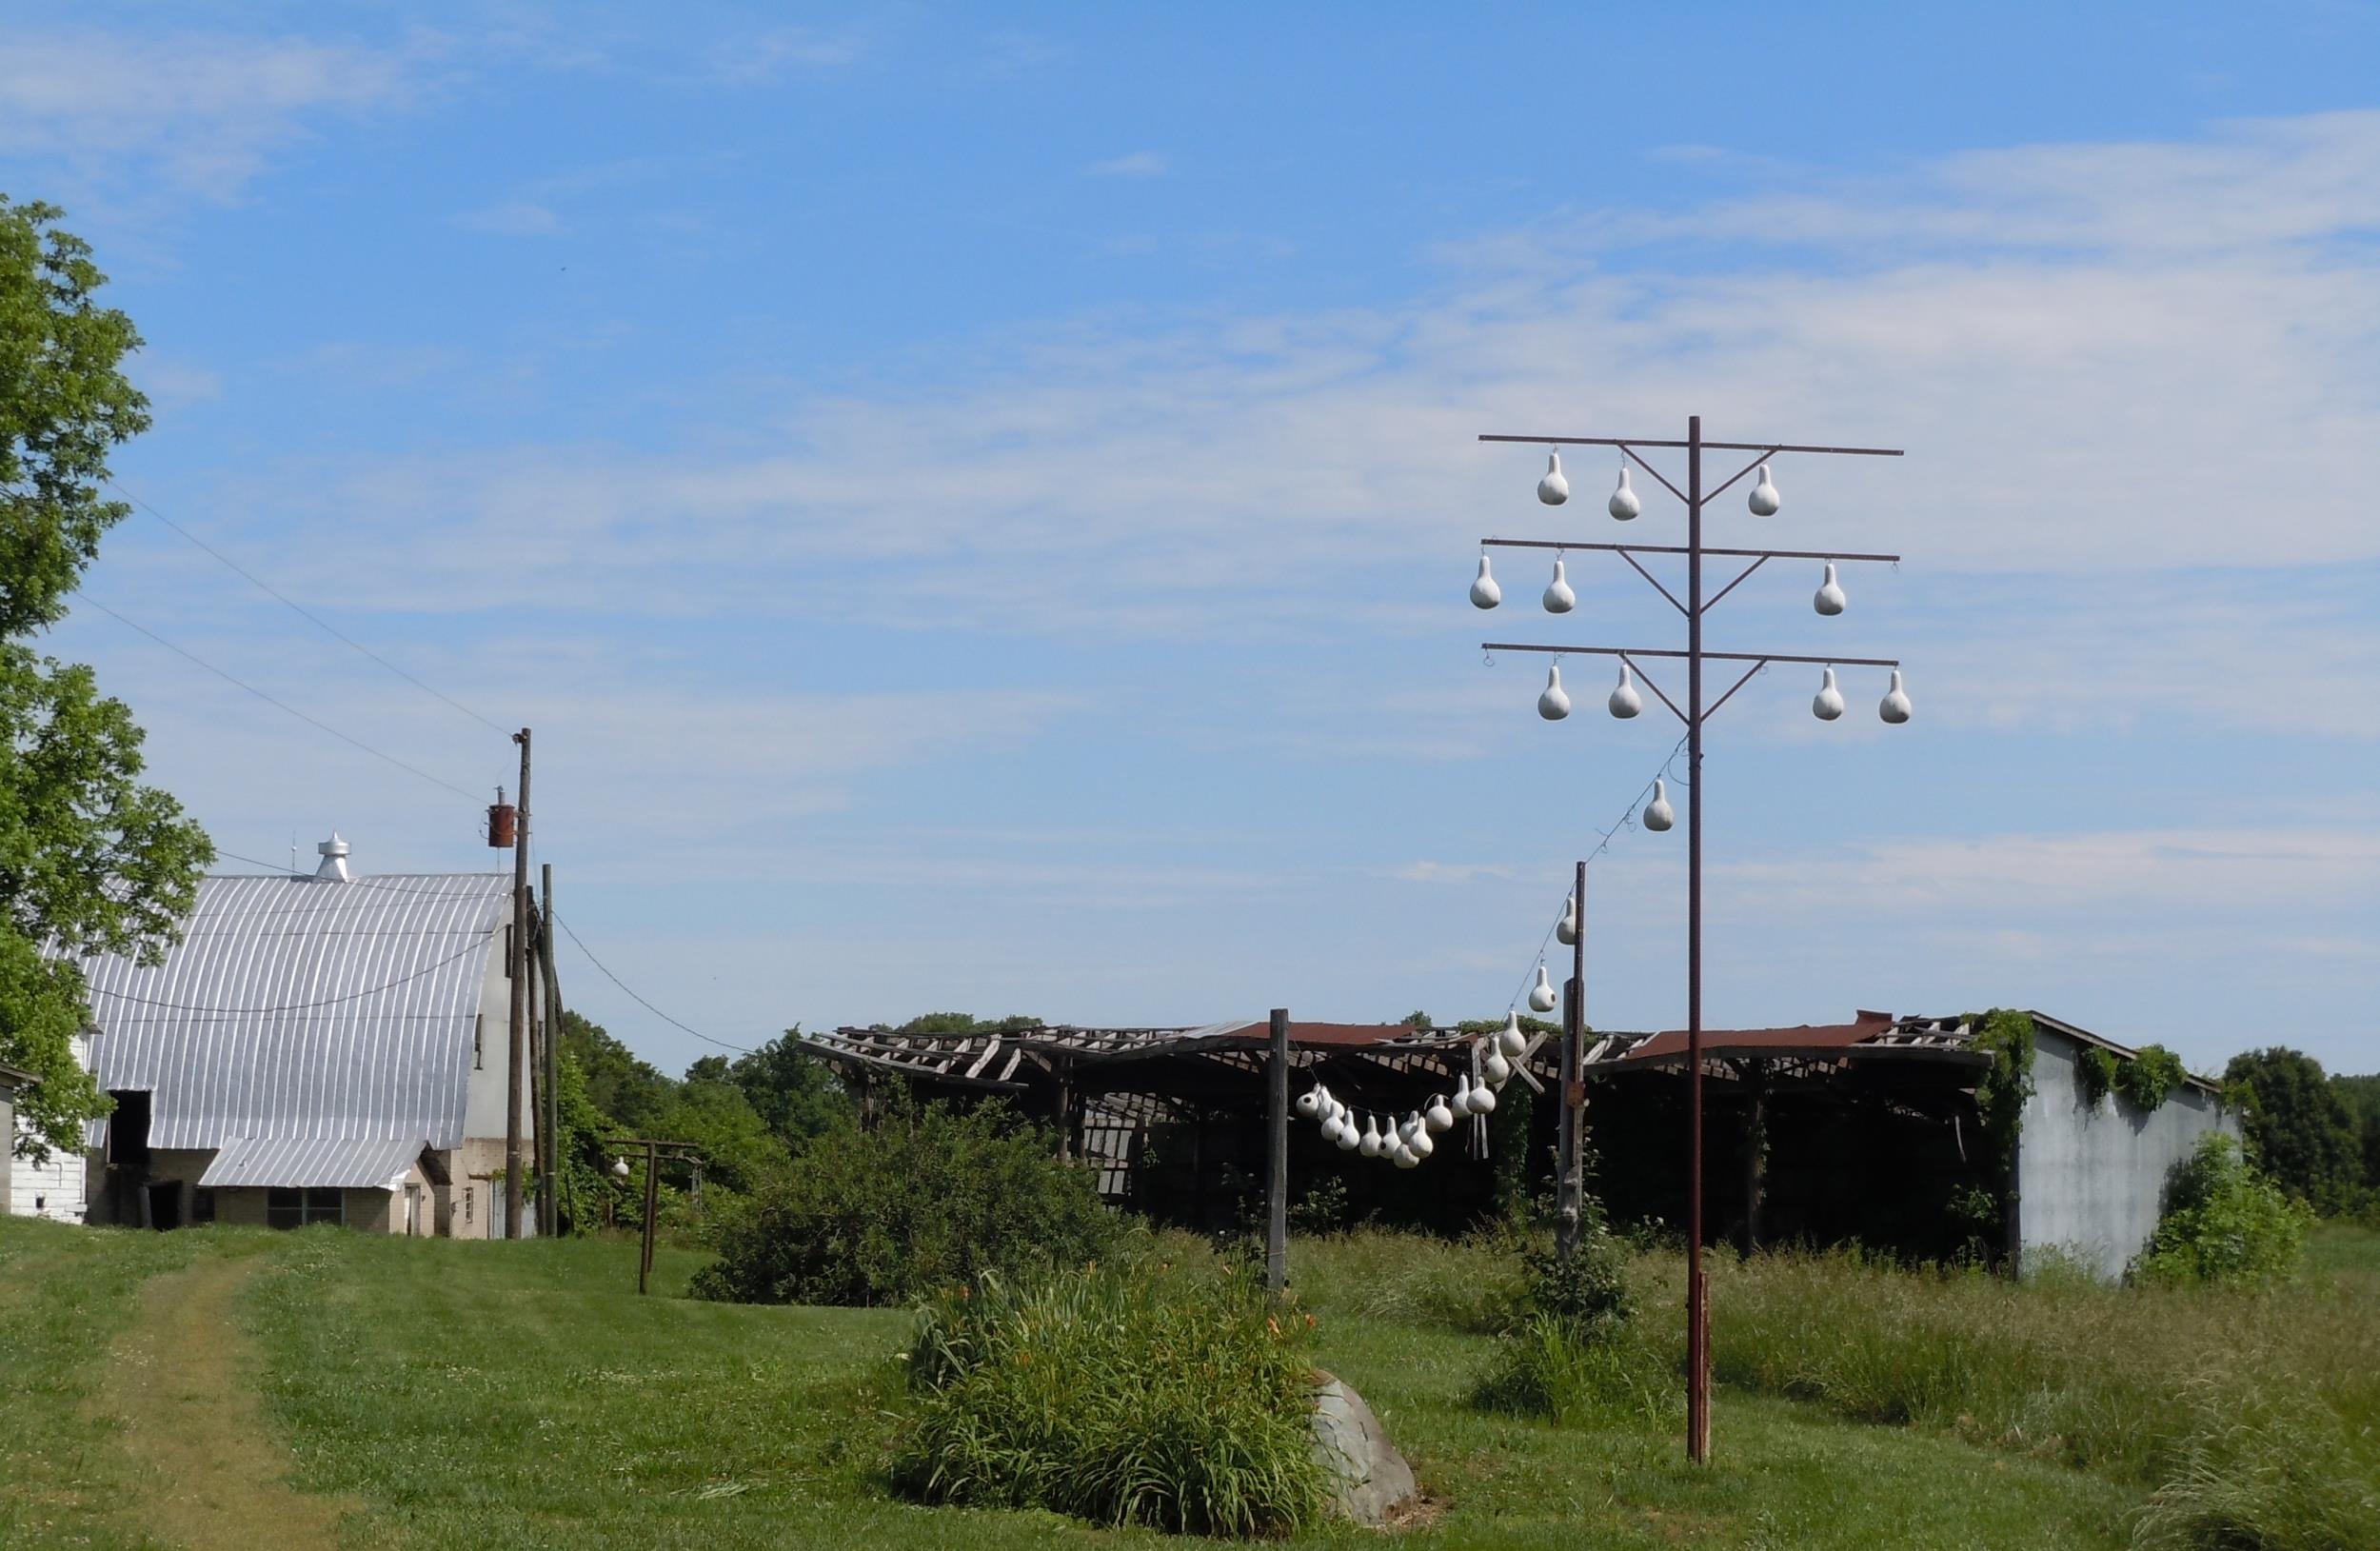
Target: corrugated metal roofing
<point x="362" y="1162"/>
<point x="296" y="1009"/>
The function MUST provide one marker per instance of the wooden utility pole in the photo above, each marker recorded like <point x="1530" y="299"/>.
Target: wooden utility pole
<point x="1570" y="1171"/>
<point x="517" y="967"/>
<point x="549" y="1131"/>
<point x="1277" y="1183"/>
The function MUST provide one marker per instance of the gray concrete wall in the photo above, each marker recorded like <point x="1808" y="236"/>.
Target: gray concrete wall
<point x="2090" y="1178"/>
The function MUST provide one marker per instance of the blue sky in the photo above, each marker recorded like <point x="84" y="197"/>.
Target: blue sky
<point x="977" y="504"/>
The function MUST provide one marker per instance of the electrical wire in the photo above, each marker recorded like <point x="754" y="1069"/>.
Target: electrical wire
<point x="304" y="613"/>
<point x="741" y="1049"/>
<point x="280" y="705"/>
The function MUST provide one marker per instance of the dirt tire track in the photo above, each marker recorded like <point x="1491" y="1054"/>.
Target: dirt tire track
<point x="207" y="1475"/>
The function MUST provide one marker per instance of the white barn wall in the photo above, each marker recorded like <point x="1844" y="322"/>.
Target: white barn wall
<point x="55" y="1189"/>
<point x="2091" y="1179"/>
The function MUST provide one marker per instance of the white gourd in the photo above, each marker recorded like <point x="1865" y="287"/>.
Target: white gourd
<point x="1349" y="1140"/>
<point x="1462" y="1093"/>
<point x="1828" y="703"/>
<point x="1829" y="599"/>
<point x="1894" y="707"/>
<point x="1558" y="597"/>
<point x="1496" y="1069"/>
<point x="1404" y="1157"/>
<point x="1421" y="1145"/>
<point x="1623" y="504"/>
<point x="1553" y="489"/>
<point x="1483" y="1100"/>
<point x="1764" y="501"/>
<point x="1370" y="1143"/>
<point x="1625" y="701"/>
<point x="1308" y="1103"/>
<point x="1510" y="1039"/>
<point x="1484" y="592"/>
<point x="1554" y="703"/>
<point x="1438" y="1116"/>
<point x="1658" y="815"/>
<point x="1541" y="995"/>
<point x="1566" y="929"/>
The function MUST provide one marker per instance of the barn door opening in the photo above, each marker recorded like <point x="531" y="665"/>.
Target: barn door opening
<point x="164" y="1204"/>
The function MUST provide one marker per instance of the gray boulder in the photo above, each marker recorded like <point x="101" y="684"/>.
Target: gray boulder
<point x="1369" y="1477"/>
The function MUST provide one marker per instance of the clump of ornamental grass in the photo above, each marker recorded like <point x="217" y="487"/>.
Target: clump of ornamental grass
<point x="1170" y="1397"/>
<point x="1570" y="1353"/>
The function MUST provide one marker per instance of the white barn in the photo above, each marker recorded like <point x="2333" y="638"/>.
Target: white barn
<point x="330" y="1048"/>
<point x="52" y="1189"/>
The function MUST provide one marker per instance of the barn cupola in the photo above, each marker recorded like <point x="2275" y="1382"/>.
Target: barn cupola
<point x="334" y="855"/>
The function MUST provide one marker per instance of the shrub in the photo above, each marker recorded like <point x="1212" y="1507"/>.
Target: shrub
<point x="2095" y="1069"/>
<point x="2224" y="1222"/>
<point x="1168" y="1398"/>
<point x="2262" y="1470"/>
<point x="928" y="1199"/>
<point x="1572" y="1356"/>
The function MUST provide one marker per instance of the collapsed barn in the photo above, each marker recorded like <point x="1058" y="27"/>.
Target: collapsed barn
<point x="1868" y="1131"/>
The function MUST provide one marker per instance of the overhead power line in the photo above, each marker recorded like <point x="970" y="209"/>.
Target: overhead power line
<point x="740" y="1049"/>
<point x="307" y="613"/>
<point x="279" y="705"/>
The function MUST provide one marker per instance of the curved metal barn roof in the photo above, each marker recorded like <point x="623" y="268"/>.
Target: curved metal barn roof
<point x="298" y="1009"/>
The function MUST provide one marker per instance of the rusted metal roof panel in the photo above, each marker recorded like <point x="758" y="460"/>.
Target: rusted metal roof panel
<point x="298" y="1009"/>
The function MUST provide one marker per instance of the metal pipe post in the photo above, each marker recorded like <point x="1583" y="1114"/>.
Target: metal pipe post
<point x="1569" y="1170"/>
<point x="1697" y="1292"/>
<point x="652" y="1200"/>
<point x="1277" y="1183"/>
<point x="517" y="967"/>
<point x="549" y="1128"/>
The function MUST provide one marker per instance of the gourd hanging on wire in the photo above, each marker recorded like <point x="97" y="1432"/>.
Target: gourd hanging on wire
<point x="1349" y="1138"/>
<point x="1553" y="489"/>
<point x="1542" y="997"/>
<point x="1829" y="599"/>
<point x="1482" y="1100"/>
<point x="1484" y="592"/>
<point x="1554" y="703"/>
<point x="1495" y="1069"/>
<point x="1438" y="1115"/>
<point x="1828" y="703"/>
<point x="1764" y="501"/>
<point x="1512" y="1040"/>
<point x="1370" y="1143"/>
<point x="1560" y="599"/>
<point x="1566" y="929"/>
<point x="1309" y="1103"/>
<point x="1421" y="1145"/>
<point x="1625" y="701"/>
<point x="1658" y="815"/>
<point x="1462" y="1096"/>
<point x="1624" y="506"/>
<point x="1894" y="707"/>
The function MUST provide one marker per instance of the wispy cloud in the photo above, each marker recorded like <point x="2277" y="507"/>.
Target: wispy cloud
<point x="512" y="218"/>
<point x="202" y="112"/>
<point x="784" y="49"/>
<point x="1139" y="164"/>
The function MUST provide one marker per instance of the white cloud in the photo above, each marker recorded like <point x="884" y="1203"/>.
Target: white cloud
<point x="1452" y="872"/>
<point x="201" y="112"/>
<point x="1139" y="164"/>
<point x="772" y="53"/>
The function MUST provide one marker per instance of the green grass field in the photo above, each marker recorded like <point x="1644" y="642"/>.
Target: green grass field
<point x="324" y="1387"/>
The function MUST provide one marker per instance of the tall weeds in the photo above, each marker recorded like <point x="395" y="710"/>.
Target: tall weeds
<point x="1171" y="1398"/>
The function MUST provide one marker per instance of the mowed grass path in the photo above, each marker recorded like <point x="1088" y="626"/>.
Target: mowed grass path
<point x="438" y="1395"/>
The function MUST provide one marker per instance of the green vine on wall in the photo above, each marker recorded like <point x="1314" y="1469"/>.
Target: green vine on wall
<point x="2149" y="1076"/>
<point x="2006" y="1035"/>
<point x="2095" y="1069"/>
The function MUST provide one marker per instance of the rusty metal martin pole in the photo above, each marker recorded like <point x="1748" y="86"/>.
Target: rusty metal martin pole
<point x="1698" y="1291"/>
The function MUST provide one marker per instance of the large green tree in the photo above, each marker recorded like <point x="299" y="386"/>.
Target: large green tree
<point x="91" y="860"/>
<point x="2298" y="1128"/>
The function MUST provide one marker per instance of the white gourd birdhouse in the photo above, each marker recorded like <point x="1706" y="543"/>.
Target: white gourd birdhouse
<point x="1484" y="592"/>
<point x="1370" y="1146"/>
<point x="1553" y="489"/>
<point x="1764" y="501"/>
<point x="1566" y="929"/>
<point x="1462" y="1094"/>
<point x="1554" y="703"/>
<point x="1894" y="707"/>
<point x="1510" y="1039"/>
<point x="1558" y="597"/>
<point x="1349" y="1139"/>
<point x="1309" y="1103"/>
<point x="1542" y="997"/>
<point x="1438" y="1116"/>
<point x="1658" y="815"/>
<point x="1828" y="703"/>
<point x="1624" y="506"/>
<point x="1483" y="1100"/>
<point x="1829" y="599"/>
<point x="1421" y="1145"/>
<point x="1496" y="1069"/>
<point x="1404" y="1157"/>
<point x="1625" y="701"/>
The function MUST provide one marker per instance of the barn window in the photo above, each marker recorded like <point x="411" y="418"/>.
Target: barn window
<point x="296" y="1208"/>
<point x="479" y="1030"/>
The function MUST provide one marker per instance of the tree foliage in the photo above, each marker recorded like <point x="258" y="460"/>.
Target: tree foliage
<point x="928" y="1199"/>
<point x="2149" y="1075"/>
<point x="2298" y="1127"/>
<point x="91" y="860"/>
